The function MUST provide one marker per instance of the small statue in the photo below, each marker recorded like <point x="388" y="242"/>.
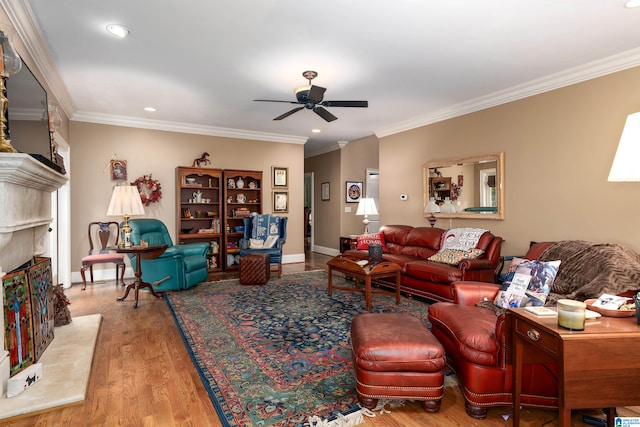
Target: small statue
<point x="202" y="160"/>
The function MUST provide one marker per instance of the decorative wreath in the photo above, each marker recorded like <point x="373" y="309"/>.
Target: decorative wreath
<point x="148" y="188"/>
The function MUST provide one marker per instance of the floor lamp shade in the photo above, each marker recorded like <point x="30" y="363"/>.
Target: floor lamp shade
<point x="125" y="202"/>
<point x="625" y="163"/>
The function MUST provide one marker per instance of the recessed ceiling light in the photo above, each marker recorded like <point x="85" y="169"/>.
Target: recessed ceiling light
<point x="315" y="130"/>
<point x="151" y="109"/>
<point x="632" y="3"/>
<point x="118" y="31"/>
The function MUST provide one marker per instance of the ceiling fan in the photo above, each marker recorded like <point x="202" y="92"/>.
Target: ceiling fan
<point x="311" y="96"/>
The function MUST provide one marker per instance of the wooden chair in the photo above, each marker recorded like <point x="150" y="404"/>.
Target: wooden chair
<point x="101" y="236"/>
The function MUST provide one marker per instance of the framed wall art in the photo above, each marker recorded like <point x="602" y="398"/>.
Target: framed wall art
<point x="324" y="191"/>
<point x="118" y="170"/>
<point x="280" y="177"/>
<point x="353" y="191"/>
<point x="280" y="201"/>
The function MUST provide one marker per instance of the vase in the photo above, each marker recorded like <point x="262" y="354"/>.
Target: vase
<point x="375" y="253"/>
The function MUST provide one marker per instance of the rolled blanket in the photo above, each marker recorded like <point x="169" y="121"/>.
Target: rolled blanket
<point x="590" y="269"/>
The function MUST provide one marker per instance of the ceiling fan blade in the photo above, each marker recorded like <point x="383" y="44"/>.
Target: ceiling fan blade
<point x="363" y="104"/>
<point x="325" y="114"/>
<point x="273" y="100"/>
<point x="288" y="113"/>
<point x="316" y="93"/>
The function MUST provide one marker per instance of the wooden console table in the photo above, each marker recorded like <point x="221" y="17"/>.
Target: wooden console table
<point x="597" y="368"/>
<point x="140" y="252"/>
<point x="348" y="266"/>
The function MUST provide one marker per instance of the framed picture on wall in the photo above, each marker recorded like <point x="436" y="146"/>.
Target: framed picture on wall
<point x="353" y="191"/>
<point x="280" y="177"/>
<point x="324" y="191"/>
<point x="280" y="201"/>
<point x="118" y="170"/>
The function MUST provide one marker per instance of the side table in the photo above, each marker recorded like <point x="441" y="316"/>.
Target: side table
<point x="140" y="252"/>
<point x="597" y="368"/>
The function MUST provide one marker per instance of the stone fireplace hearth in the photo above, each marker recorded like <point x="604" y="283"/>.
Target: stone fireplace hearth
<point x="25" y="216"/>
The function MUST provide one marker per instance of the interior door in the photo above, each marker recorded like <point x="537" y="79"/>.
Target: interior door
<point x="372" y="189"/>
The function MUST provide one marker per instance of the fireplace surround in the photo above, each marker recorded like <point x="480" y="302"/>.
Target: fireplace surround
<point x="25" y="216"/>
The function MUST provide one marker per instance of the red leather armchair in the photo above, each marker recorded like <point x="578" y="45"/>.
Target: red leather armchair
<point x="477" y="343"/>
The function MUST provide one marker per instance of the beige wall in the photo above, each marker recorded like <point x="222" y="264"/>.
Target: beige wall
<point x="326" y="214"/>
<point x="558" y="151"/>
<point x="159" y="153"/>
<point x="336" y="167"/>
<point x="357" y="156"/>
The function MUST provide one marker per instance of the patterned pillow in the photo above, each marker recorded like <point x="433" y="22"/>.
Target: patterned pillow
<point x="364" y="240"/>
<point x="528" y="283"/>
<point x="454" y="256"/>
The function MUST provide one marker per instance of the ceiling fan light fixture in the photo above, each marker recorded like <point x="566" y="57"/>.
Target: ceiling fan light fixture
<point x="119" y="31"/>
<point x="630" y="4"/>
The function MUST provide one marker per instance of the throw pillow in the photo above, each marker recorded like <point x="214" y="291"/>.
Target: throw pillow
<point x="364" y="240"/>
<point x="461" y="238"/>
<point x="528" y="283"/>
<point x="270" y="242"/>
<point x="454" y="256"/>
<point x="256" y="244"/>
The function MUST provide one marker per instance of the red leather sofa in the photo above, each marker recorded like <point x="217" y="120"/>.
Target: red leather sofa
<point x="477" y="344"/>
<point x="410" y="248"/>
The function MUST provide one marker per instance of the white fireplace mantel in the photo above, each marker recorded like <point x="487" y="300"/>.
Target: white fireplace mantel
<point x="25" y="216"/>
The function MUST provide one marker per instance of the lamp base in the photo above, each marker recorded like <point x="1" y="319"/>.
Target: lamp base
<point x="5" y="144"/>
<point x="126" y="232"/>
<point x="432" y="220"/>
<point x="365" y="221"/>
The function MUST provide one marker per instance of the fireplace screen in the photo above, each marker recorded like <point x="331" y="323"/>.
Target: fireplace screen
<point x="28" y="312"/>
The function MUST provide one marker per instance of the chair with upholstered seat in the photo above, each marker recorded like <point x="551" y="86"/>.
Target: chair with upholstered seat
<point x="102" y="236"/>
<point x="179" y="267"/>
<point x="265" y="234"/>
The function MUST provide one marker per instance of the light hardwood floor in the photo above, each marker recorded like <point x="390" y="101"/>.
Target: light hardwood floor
<point x="143" y="376"/>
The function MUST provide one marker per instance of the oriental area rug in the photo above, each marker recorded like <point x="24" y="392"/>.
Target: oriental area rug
<point x="278" y="354"/>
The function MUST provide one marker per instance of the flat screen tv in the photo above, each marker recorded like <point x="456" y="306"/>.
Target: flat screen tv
<point x="26" y="112"/>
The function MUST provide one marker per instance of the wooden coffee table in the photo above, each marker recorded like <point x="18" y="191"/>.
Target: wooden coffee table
<point x="349" y="266"/>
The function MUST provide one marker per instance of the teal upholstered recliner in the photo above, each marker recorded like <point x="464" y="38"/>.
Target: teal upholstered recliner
<point x="279" y="232"/>
<point x="184" y="265"/>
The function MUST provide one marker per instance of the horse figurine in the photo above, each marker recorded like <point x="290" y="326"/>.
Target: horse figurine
<point x="202" y="160"/>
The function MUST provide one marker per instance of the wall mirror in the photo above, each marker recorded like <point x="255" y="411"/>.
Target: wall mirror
<point x="471" y="187"/>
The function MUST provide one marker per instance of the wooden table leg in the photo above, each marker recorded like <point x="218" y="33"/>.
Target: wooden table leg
<point x="398" y="288"/>
<point x="367" y="292"/>
<point x="330" y="282"/>
<point x="137" y="285"/>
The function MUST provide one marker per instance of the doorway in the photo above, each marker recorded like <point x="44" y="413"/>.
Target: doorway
<point x="308" y="211"/>
<point x="373" y="192"/>
<point x="58" y="247"/>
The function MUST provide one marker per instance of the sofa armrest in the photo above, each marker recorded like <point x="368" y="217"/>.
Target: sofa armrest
<point x="475" y="264"/>
<point x="471" y="293"/>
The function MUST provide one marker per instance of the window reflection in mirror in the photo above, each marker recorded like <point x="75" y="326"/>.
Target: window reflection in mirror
<point x="470" y="187"/>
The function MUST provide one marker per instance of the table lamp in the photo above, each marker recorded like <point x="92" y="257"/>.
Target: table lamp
<point x="431" y="208"/>
<point x="125" y="201"/>
<point x="625" y="163"/>
<point x="366" y="207"/>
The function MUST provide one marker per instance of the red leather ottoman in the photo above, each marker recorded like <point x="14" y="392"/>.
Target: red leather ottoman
<point x="254" y="269"/>
<point x="396" y="357"/>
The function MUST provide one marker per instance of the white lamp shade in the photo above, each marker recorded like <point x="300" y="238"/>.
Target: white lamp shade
<point x="125" y="200"/>
<point x="432" y="206"/>
<point x="626" y="163"/>
<point x="367" y="206"/>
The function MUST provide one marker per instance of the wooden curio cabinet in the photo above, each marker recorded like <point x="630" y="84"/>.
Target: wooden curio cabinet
<point x="199" y="210"/>
<point x="242" y="197"/>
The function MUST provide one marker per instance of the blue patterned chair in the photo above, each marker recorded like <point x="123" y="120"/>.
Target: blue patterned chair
<point x="268" y="225"/>
<point x="184" y="265"/>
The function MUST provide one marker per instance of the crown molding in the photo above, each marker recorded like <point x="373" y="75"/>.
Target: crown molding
<point x="115" y="120"/>
<point x="591" y="70"/>
<point x="26" y="25"/>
